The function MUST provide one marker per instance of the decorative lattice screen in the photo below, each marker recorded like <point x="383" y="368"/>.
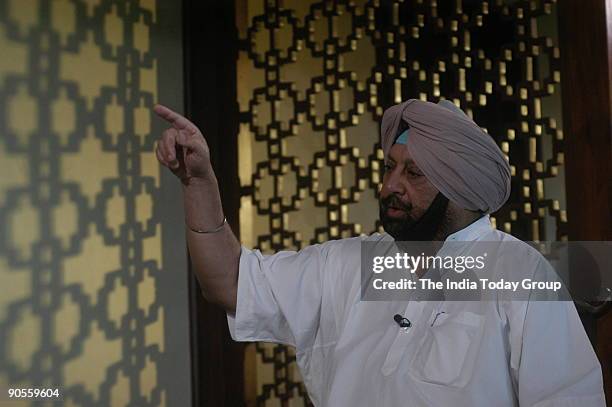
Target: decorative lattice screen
<point x="314" y="78"/>
<point x="81" y="252"/>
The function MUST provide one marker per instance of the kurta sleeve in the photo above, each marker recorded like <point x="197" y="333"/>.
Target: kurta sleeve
<point x="554" y="362"/>
<point x="280" y="296"/>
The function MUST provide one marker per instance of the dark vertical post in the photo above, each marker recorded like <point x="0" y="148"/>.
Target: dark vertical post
<point x="211" y="49"/>
<point x="585" y="34"/>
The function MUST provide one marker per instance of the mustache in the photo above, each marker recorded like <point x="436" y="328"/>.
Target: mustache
<point x="394" y="202"/>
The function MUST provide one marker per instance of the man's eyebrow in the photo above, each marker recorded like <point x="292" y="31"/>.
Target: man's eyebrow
<point x="408" y="162"/>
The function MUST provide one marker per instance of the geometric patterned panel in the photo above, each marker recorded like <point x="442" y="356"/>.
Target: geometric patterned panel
<point x="314" y="78"/>
<point x="80" y="230"/>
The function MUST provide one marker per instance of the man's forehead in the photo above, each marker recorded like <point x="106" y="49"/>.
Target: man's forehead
<point x="401" y="153"/>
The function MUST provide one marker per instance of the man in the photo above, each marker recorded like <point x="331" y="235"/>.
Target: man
<point x="443" y="176"/>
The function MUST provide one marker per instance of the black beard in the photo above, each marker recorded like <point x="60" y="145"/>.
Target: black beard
<point x="426" y="228"/>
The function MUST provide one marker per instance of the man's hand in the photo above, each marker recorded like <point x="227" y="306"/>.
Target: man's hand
<point x="214" y="256"/>
<point x="182" y="148"/>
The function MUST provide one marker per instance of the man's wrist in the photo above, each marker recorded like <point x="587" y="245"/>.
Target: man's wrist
<point x="203" y="211"/>
<point x="196" y="183"/>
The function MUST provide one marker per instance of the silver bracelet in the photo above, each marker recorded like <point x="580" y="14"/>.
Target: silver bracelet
<point x="208" y="231"/>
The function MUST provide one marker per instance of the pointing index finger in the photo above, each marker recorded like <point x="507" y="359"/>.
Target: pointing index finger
<point x="178" y="122"/>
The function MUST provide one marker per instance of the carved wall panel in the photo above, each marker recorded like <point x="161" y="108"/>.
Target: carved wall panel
<point x="314" y="78"/>
<point x="82" y="255"/>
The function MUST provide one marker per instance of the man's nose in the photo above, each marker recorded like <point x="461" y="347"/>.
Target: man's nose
<point x="394" y="184"/>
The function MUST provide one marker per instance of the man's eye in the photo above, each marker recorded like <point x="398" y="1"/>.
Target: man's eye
<point x="414" y="174"/>
<point x="387" y="167"/>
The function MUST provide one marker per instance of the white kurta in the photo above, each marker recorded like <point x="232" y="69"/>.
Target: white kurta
<point x="460" y="354"/>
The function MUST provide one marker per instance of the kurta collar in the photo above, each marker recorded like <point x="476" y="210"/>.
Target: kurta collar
<point x="472" y="231"/>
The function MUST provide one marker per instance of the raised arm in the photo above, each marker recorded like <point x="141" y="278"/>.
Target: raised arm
<point x="215" y="255"/>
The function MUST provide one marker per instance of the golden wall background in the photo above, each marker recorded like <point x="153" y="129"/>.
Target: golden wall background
<point x="93" y="285"/>
<point x="314" y="78"/>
